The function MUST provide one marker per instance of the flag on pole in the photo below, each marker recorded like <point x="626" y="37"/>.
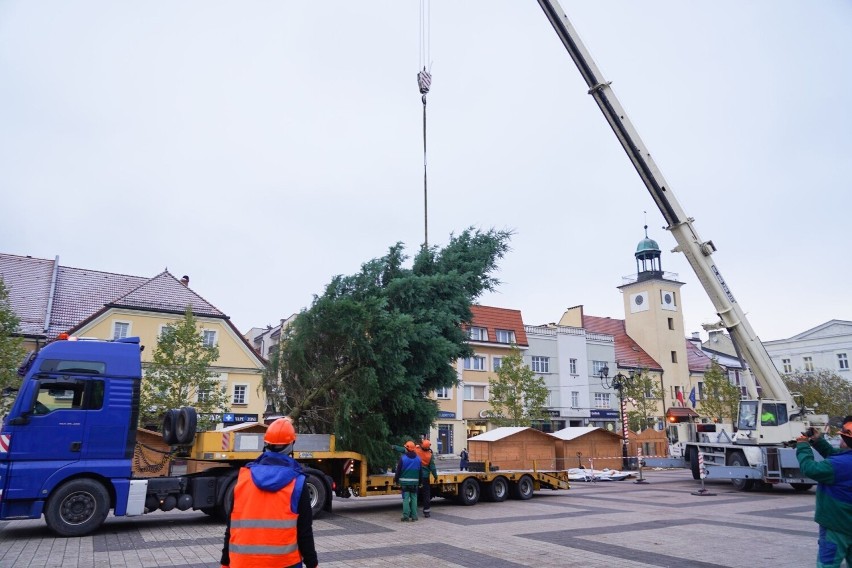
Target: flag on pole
<point x="692" y="397"/>
<point x="679" y="395"/>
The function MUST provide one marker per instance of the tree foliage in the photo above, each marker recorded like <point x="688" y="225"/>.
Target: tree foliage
<point x="721" y="398"/>
<point x="11" y="350"/>
<point x="361" y="361"/>
<point x="824" y="391"/>
<point x="517" y="396"/>
<point x="645" y="393"/>
<point x="179" y="372"/>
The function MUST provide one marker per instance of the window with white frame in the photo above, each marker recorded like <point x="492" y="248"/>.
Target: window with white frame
<point x="208" y="338"/>
<point x="842" y="362"/>
<point x="572" y="366"/>
<point x="602" y="400"/>
<point x="575" y="399"/>
<point x="788" y="365"/>
<point x="443" y="393"/>
<point x="505" y="336"/>
<point x="474" y="392"/>
<point x="120" y="329"/>
<point x="475" y="363"/>
<point x="700" y="390"/>
<point x="240" y="394"/>
<point x="203" y="394"/>
<point x="597" y="367"/>
<point x="496" y="363"/>
<point x="540" y="364"/>
<point x="478" y="334"/>
<point x="809" y="364"/>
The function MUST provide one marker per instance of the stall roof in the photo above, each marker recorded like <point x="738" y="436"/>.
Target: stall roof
<point x="499" y="433"/>
<point x="572" y="433"/>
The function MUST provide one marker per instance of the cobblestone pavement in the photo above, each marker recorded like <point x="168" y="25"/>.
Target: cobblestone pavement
<point x="592" y="525"/>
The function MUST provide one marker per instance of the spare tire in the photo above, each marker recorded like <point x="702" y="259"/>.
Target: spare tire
<point x="187" y="421"/>
<point x="169" y="424"/>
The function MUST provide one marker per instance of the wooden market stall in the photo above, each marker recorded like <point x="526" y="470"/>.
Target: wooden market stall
<point x="576" y="446"/>
<point x="512" y="447"/>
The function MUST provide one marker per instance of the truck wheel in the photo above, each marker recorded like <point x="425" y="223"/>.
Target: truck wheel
<point x="801" y="487"/>
<point x="523" y="489"/>
<point x="497" y="490"/>
<point x="316" y="489"/>
<point x="185" y="425"/>
<point x="222" y="510"/>
<point x="77" y="507"/>
<point x="737" y="459"/>
<point x="469" y="492"/>
<point x="693" y="463"/>
<point x="169" y="423"/>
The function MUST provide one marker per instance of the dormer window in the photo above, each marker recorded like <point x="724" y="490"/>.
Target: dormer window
<point x="478" y="334"/>
<point x="505" y="336"/>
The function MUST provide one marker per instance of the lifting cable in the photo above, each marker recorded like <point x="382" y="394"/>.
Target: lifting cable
<point x="424" y="81"/>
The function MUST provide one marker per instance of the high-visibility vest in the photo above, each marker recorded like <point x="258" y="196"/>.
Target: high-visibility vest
<point x="263" y="525"/>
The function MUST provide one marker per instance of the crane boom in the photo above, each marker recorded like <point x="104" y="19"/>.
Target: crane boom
<point x="698" y="252"/>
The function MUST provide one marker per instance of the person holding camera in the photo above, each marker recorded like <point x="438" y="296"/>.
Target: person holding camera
<point x="834" y="492"/>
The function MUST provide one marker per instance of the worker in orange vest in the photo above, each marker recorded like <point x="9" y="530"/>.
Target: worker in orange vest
<point x="271" y="523"/>
<point x="427" y="468"/>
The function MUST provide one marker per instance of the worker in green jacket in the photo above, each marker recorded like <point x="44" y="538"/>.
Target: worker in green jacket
<point x="834" y="492"/>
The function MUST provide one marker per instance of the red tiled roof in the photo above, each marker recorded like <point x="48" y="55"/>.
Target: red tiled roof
<point x="80" y="294"/>
<point x="28" y="282"/>
<point x="165" y="293"/>
<point x="697" y="359"/>
<point x="499" y="318"/>
<point x="628" y="354"/>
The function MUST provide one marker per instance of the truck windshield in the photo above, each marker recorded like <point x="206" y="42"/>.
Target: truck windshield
<point x="748" y="415"/>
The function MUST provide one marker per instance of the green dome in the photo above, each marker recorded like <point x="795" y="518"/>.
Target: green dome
<point x="647" y="245"/>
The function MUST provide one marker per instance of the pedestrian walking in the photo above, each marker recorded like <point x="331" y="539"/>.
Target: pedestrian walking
<point x="834" y="492"/>
<point x="271" y="522"/>
<point x="427" y="469"/>
<point x="464" y="461"/>
<point x="407" y="476"/>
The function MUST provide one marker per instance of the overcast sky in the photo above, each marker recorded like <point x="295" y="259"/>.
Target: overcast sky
<point x="263" y="147"/>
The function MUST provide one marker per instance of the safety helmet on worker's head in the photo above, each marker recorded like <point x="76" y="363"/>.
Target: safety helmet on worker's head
<point x="425" y="444"/>
<point x="409" y="446"/>
<point x="280" y="433"/>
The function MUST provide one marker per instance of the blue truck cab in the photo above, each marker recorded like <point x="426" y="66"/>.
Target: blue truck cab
<point x="67" y="442"/>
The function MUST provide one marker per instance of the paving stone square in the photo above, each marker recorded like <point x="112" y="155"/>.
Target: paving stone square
<point x="592" y="525"/>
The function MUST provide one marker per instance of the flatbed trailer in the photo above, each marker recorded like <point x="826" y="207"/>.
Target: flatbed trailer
<point x="351" y="476"/>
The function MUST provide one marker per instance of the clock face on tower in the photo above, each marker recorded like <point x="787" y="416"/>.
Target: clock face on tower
<point x="667" y="300"/>
<point x="639" y="302"/>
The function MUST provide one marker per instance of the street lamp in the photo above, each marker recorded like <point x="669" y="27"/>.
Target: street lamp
<point x="619" y="382"/>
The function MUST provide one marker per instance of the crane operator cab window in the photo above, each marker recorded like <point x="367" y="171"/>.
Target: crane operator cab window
<point x="748" y="415"/>
<point x="773" y="414"/>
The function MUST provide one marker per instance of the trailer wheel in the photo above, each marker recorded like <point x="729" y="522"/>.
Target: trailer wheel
<point x="801" y="487"/>
<point x="693" y="463"/>
<point x="469" y="492"/>
<point x="737" y="459"/>
<point x="317" y="491"/>
<point x="497" y="490"/>
<point x="77" y="507"/>
<point x="523" y="489"/>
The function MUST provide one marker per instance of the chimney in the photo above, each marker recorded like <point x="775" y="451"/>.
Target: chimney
<point x="184" y="280"/>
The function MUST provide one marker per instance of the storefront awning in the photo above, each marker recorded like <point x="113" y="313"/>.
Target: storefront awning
<point x="680" y="414"/>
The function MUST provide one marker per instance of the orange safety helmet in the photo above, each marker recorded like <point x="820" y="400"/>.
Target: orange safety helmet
<point x="409" y="445"/>
<point x="280" y="433"/>
<point x="425" y="444"/>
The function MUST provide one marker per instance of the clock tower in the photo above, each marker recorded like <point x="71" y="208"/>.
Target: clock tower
<point x="653" y="317"/>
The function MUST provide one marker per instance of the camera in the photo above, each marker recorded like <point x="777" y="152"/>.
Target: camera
<point x="811" y="432"/>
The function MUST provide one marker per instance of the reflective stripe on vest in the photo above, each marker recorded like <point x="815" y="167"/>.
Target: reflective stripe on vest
<point x="263" y="525"/>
